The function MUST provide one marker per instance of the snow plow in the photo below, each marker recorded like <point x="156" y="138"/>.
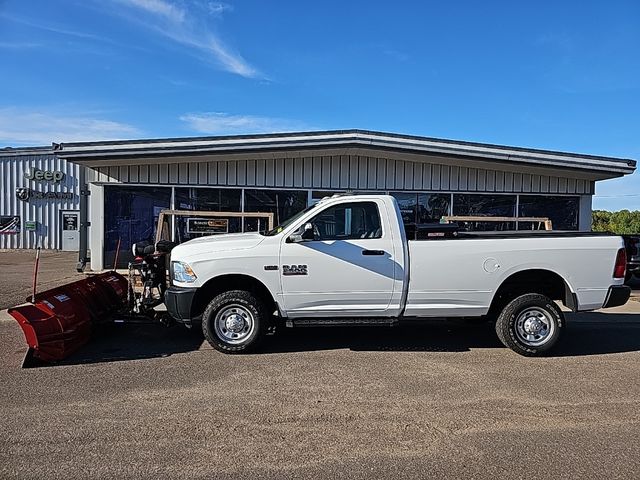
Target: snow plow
<point x="58" y="322"/>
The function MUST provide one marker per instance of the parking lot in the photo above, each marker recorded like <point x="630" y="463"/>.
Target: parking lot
<point x="440" y="399"/>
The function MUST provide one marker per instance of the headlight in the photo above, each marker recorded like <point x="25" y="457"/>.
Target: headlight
<point x="182" y="272"/>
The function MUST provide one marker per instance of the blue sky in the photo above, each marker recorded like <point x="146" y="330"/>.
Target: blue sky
<point x="545" y="74"/>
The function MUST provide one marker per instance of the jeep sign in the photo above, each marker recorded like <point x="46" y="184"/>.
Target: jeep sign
<point x="55" y="176"/>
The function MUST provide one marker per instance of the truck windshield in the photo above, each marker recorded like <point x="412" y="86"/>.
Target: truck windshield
<point x="288" y="222"/>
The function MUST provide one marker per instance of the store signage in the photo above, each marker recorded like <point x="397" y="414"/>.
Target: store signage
<point x="25" y="194"/>
<point x="9" y="224"/>
<point x="207" y="226"/>
<point x="70" y="221"/>
<point x="30" y="226"/>
<point x="55" y="176"/>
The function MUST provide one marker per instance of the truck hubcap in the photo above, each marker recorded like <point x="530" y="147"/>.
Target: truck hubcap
<point x="234" y="324"/>
<point x="534" y="327"/>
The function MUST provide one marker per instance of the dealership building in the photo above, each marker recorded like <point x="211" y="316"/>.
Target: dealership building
<point x="101" y="193"/>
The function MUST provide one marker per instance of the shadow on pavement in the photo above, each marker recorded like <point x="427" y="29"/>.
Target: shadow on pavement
<point x="133" y="342"/>
<point x="602" y="333"/>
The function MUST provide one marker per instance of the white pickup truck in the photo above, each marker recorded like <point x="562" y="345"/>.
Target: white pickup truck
<point x="347" y="260"/>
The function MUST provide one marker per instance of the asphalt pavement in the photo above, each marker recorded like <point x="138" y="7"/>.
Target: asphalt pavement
<point x="440" y="400"/>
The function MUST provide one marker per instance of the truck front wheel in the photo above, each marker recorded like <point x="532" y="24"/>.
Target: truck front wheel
<point x="530" y="324"/>
<point x="234" y="321"/>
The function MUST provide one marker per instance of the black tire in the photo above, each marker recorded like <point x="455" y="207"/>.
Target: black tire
<point x="243" y="302"/>
<point x="540" y="307"/>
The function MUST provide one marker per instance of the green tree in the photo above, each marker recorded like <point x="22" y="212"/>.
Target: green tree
<point x="622" y="222"/>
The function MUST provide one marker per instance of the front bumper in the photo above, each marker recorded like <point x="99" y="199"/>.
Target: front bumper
<point x="179" y="301"/>
<point x="618" y="295"/>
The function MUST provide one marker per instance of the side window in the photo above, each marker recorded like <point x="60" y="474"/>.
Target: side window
<point x="348" y="221"/>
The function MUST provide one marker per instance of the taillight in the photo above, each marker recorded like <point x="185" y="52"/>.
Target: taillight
<point x="621" y="264"/>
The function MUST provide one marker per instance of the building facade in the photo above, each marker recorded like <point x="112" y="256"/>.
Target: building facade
<point x="39" y="200"/>
<point x="92" y="196"/>
<point x="130" y="182"/>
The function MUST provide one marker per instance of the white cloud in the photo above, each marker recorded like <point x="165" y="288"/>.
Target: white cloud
<point x="23" y="127"/>
<point x="191" y="27"/>
<point x="216" y="123"/>
<point x="160" y="7"/>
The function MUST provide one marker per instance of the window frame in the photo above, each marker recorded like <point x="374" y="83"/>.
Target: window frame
<point x="344" y="205"/>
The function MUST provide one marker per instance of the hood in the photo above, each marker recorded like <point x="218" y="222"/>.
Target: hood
<point x="211" y="244"/>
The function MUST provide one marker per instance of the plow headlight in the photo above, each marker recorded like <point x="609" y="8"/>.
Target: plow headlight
<point x="182" y="272"/>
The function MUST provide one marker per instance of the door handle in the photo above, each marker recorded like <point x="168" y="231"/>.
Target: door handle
<point x="373" y="252"/>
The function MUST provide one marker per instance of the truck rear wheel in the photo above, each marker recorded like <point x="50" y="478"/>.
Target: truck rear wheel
<point x="530" y="324"/>
<point x="234" y="322"/>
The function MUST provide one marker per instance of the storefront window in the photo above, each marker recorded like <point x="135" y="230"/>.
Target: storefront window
<point x="131" y="215"/>
<point x="209" y="200"/>
<point x="418" y="208"/>
<point x="483" y="205"/>
<point x="282" y="203"/>
<point x="562" y="211"/>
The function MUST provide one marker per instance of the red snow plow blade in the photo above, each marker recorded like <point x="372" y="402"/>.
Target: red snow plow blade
<point x="60" y="320"/>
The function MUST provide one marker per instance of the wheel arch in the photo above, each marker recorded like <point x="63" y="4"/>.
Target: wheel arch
<point x="230" y="281"/>
<point x="536" y="280"/>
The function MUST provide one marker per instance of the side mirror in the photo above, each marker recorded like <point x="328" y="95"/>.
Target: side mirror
<point x="305" y="232"/>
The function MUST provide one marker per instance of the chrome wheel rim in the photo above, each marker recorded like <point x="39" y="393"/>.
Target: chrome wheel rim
<point x="234" y="324"/>
<point x="534" y="327"/>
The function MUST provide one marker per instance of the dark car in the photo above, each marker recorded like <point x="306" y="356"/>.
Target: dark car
<point x="632" y="246"/>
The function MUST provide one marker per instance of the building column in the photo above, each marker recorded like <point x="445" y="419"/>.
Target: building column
<point x="96" y="226"/>
<point x="584" y="215"/>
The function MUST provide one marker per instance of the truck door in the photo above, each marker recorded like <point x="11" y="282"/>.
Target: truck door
<point x="348" y="268"/>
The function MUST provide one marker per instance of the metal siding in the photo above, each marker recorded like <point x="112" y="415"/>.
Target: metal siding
<point x="45" y="212"/>
<point x="544" y="183"/>
<point x="202" y="174"/>
<point x="562" y="185"/>
<point x="307" y="172"/>
<point x="473" y="179"/>
<point x="399" y="175"/>
<point x="463" y="177"/>
<point x="372" y="170"/>
<point x="381" y="173"/>
<point x="408" y="176"/>
<point x="362" y="172"/>
<point x="316" y="172"/>
<point x="261" y="172"/>
<point x="499" y="185"/>
<point x="251" y="172"/>
<point x="353" y="172"/>
<point x="279" y="162"/>
<point x="417" y="176"/>
<point x="454" y="176"/>
<point x="391" y="177"/>
<point x="326" y="172"/>
<point x="289" y="170"/>
<point x="335" y="171"/>
<point x="154" y="173"/>
<point x="435" y="177"/>
<point x="445" y="177"/>
<point x="426" y="176"/>
<point x="222" y="173"/>
<point x="232" y="172"/>
<point x="482" y="180"/>
<point x="269" y="172"/>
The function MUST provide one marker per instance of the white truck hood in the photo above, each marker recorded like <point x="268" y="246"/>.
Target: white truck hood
<point x="206" y="247"/>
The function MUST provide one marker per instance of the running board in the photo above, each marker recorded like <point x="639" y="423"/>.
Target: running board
<point x="342" y="322"/>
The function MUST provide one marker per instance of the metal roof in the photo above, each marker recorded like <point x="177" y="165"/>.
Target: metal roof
<point x="85" y="152"/>
<point x="19" y="151"/>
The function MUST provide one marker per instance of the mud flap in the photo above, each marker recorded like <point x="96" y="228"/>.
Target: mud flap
<point x="60" y="320"/>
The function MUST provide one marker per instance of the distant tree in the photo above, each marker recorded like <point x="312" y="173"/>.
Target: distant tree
<point x="622" y="222"/>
